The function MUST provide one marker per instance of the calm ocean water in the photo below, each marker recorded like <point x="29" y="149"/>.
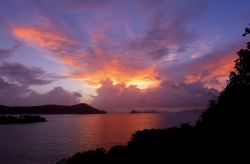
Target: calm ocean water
<point x="63" y="135"/>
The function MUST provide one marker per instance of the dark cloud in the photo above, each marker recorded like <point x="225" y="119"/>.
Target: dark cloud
<point x="158" y="54"/>
<point x="14" y="89"/>
<point x="3" y="84"/>
<point x="18" y="73"/>
<point x="15" y="80"/>
<point x="168" y="94"/>
<point x="13" y="94"/>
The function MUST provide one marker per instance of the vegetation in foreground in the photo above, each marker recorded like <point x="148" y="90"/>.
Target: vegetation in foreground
<point x="21" y="119"/>
<point x="220" y="135"/>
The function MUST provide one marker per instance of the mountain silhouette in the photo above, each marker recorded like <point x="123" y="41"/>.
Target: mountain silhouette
<point x="51" y="109"/>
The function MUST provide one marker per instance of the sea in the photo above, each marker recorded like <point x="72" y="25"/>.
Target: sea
<point x="64" y="135"/>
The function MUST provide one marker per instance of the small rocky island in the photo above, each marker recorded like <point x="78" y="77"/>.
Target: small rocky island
<point x="22" y="119"/>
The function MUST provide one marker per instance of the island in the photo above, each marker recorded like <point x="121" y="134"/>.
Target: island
<point x="22" y="119"/>
<point x="51" y="109"/>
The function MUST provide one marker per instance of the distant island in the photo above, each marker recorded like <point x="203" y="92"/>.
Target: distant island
<point x="51" y="109"/>
<point x="138" y="112"/>
<point x="22" y="119"/>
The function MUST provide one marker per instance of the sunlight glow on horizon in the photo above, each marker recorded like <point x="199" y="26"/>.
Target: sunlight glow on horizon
<point x="118" y="75"/>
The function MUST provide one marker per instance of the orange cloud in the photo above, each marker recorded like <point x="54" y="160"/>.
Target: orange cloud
<point x="119" y="74"/>
<point x="50" y="40"/>
<point x="102" y="68"/>
<point x="214" y="75"/>
<point x="61" y="46"/>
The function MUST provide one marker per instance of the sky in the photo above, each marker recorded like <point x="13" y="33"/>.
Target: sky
<point x="118" y="55"/>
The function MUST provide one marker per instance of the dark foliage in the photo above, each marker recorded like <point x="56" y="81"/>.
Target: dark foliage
<point x="221" y="134"/>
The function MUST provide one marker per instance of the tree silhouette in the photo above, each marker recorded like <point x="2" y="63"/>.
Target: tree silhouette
<point x="234" y="101"/>
<point x="247" y="31"/>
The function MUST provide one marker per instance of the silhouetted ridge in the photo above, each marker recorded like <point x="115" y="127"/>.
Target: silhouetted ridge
<point x="220" y="136"/>
<point x="51" y="109"/>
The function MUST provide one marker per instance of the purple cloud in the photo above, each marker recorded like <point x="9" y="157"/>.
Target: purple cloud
<point x="10" y="93"/>
<point x="57" y="96"/>
<point x="15" y="80"/>
<point x="169" y="94"/>
<point x="13" y="94"/>
<point x="18" y="73"/>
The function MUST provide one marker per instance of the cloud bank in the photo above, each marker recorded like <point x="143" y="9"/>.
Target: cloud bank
<point x="15" y="82"/>
<point x="12" y="94"/>
<point x="169" y="95"/>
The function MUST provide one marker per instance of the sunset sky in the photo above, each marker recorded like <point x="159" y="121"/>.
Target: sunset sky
<point x="118" y="54"/>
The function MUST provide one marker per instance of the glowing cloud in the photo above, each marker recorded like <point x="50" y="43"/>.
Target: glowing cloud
<point x="61" y="46"/>
<point x="65" y="51"/>
<point x="119" y="74"/>
<point x="213" y="75"/>
<point x="51" y="40"/>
